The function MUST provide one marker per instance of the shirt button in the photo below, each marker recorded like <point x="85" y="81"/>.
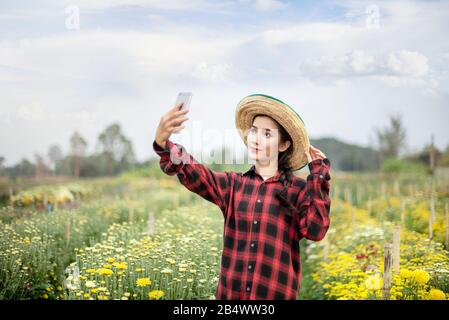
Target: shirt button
<point x="255" y="222"/>
<point x="248" y="288"/>
<point x="259" y="201"/>
<point x="250" y="266"/>
<point x="321" y="176"/>
<point x="252" y="245"/>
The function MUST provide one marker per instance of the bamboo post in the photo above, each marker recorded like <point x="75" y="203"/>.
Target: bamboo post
<point x="130" y="214"/>
<point x="369" y="204"/>
<point x="382" y="190"/>
<point x="45" y="202"/>
<point x="11" y="199"/>
<point x="326" y="248"/>
<point x="345" y="194"/>
<point x="432" y="208"/>
<point x="430" y="226"/>
<point x="336" y="192"/>
<point x="67" y="232"/>
<point x="402" y="212"/>
<point x="352" y="215"/>
<point x="396" y="247"/>
<point x="397" y="190"/>
<point x="447" y="226"/>
<point x="151" y="223"/>
<point x="78" y="199"/>
<point x="358" y="195"/>
<point x="387" y="272"/>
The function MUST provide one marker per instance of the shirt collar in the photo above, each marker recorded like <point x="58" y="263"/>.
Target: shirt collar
<point x="252" y="171"/>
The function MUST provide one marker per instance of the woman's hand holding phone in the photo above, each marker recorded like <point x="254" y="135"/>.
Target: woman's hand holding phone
<point x="171" y="123"/>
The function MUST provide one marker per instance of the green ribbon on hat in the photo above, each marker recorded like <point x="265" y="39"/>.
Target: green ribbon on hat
<point x="273" y="98"/>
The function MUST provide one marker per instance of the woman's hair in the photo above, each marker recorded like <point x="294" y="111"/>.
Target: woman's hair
<point x="283" y="157"/>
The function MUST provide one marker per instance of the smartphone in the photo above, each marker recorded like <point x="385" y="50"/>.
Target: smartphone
<point x="184" y="97"/>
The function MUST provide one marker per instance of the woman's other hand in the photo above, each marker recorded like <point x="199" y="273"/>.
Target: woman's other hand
<point x="314" y="153"/>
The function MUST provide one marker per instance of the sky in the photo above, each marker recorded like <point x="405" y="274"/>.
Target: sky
<point x="345" y="66"/>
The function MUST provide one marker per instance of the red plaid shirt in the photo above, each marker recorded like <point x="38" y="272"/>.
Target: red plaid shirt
<point x="260" y="258"/>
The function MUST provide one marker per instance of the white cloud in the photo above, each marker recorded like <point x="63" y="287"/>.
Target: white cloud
<point x="34" y="112"/>
<point x="153" y="4"/>
<point x="211" y="72"/>
<point x="400" y="63"/>
<point x="356" y="62"/>
<point x="407" y="63"/>
<point x="268" y="5"/>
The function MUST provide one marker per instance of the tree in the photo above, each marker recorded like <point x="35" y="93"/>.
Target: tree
<point x="115" y="148"/>
<point x="2" y="160"/>
<point x="78" y="148"/>
<point x="55" y="155"/>
<point x="23" y="169"/>
<point x="391" y="139"/>
<point x="41" y="169"/>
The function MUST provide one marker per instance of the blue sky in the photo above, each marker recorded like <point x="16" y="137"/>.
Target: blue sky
<point x="345" y="66"/>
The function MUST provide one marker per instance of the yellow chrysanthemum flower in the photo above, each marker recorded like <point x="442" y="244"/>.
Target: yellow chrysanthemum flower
<point x="421" y="276"/>
<point x="156" y="294"/>
<point x="104" y="271"/>
<point x="143" y="282"/>
<point x="406" y="274"/>
<point x="436" y="294"/>
<point x="121" y="265"/>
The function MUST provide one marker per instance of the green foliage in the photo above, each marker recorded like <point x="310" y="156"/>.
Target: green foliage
<point x="402" y="166"/>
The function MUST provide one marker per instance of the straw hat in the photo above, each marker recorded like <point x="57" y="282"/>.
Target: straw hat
<point x="288" y="118"/>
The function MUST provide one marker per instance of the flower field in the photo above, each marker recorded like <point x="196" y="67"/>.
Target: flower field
<point x="152" y="239"/>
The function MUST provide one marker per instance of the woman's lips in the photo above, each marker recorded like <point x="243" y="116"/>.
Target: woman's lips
<point x="254" y="149"/>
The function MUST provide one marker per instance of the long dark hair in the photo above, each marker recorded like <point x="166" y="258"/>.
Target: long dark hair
<point x="285" y="169"/>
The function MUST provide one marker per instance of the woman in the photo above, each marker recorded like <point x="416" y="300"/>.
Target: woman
<point x="267" y="209"/>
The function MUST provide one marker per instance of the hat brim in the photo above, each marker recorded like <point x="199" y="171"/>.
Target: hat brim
<point x="288" y="118"/>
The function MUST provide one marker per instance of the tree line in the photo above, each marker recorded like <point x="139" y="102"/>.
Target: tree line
<point x="113" y="154"/>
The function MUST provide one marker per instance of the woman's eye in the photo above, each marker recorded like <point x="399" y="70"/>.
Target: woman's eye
<point x="267" y="134"/>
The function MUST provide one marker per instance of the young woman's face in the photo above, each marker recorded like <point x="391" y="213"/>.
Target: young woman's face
<point x="264" y="140"/>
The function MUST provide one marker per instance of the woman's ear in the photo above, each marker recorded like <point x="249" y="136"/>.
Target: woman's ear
<point x="284" y="146"/>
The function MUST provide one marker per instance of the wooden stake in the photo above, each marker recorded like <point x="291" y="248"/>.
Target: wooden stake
<point x="396" y="247"/>
<point x="358" y="195"/>
<point x="447" y="226"/>
<point x="151" y="223"/>
<point x="353" y="215"/>
<point x="11" y="199"/>
<point x="130" y="214"/>
<point x="387" y="272"/>
<point x="369" y="204"/>
<point x="67" y="232"/>
<point x="430" y="226"/>
<point x="402" y="212"/>
<point x="45" y="202"/>
<point x="432" y="208"/>
<point x="326" y="248"/>
<point x="397" y="190"/>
